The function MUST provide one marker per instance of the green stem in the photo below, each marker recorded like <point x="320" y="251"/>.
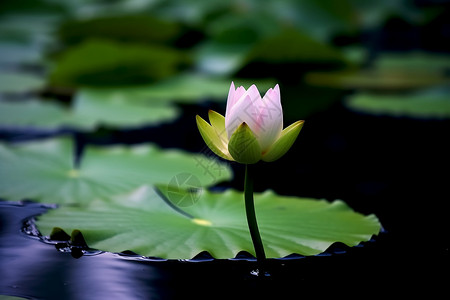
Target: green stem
<point x="251" y="216"/>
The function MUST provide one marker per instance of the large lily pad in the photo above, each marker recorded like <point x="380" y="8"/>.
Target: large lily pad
<point x="142" y="222"/>
<point x="44" y="171"/>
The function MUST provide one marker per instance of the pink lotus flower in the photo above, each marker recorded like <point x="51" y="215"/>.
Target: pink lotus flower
<point x="252" y="128"/>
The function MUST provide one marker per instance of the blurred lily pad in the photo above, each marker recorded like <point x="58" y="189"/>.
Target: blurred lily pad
<point x="430" y="104"/>
<point x="192" y="87"/>
<point x="44" y="171"/>
<point x="143" y="223"/>
<point x="414" y="62"/>
<point x="20" y="82"/>
<point x="19" y="53"/>
<point x="405" y="71"/>
<point x="90" y="108"/>
<point x="32" y="113"/>
<point x="221" y="58"/>
<point x="378" y="80"/>
<point x="121" y="28"/>
<point x="108" y="63"/>
<point x="294" y="49"/>
<point x="94" y="107"/>
<point x="34" y="28"/>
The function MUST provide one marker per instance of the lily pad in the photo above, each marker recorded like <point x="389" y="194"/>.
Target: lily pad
<point x="20" y="53"/>
<point x="13" y="82"/>
<point x="90" y="109"/>
<point x="45" y="171"/>
<point x="107" y="63"/>
<point x="32" y="113"/>
<point x="414" y="62"/>
<point x="125" y="28"/>
<point x="376" y="80"/>
<point x="192" y="87"/>
<point x="117" y="108"/>
<point x="291" y="46"/>
<point x="420" y="105"/>
<point x="391" y="72"/>
<point x="143" y="223"/>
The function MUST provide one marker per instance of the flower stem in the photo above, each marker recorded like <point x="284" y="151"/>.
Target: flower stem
<point x="251" y="216"/>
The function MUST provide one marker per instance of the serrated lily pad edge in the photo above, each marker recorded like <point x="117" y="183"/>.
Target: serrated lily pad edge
<point x="337" y="248"/>
<point x="334" y="248"/>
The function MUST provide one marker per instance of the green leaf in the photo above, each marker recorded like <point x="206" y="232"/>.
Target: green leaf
<point x="145" y="224"/>
<point x="123" y="28"/>
<point x="294" y="46"/>
<point x="107" y="63"/>
<point x="20" y="82"/>
<point x="377" y="80"/>
<point x="430" y="104"/>
<point x="391" y="72"/>
<point x="418" y="62"/>
<point x="32" y="113"/>
<point x="117" y="108"/>
<point x="243" y="145"/>
<point x="192" y="87"/>
<point x="20" y="53"/>
<point x="44" y="171"/>
<point x="90" y="108"/>
<point x="284" y="142"/>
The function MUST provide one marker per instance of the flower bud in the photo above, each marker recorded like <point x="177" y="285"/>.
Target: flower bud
<point x="252" y="128"/>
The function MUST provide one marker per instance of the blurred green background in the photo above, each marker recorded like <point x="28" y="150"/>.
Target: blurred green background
<point x="380" y="57"/>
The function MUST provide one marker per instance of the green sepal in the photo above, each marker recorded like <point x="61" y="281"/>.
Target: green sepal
<point x="218" y="123"/>
<point x="284" y="142"/>
<point x="212" y="139"/>
<point x="243" y="145"/>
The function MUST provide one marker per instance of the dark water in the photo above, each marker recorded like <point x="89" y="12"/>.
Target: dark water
<point x="393" y="167"/>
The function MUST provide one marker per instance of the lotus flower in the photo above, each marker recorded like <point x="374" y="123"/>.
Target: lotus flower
<point x="252" y="128"/>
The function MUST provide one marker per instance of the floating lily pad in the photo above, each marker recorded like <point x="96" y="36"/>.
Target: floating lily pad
<point x="20" y="82"/>
<point x="420" y="105"/>
<point x="20" y="53"/>
<point x="124" y="28"/>
<point x="143" y="223"/>
<point x="377" y="80"/>
<point x="90" y="109"/>
<point x="294" y="46"/>
<point x="44" y="171"/>
<point x="117" y="108"/>
<point x="414" y="62"/>
<point x="193" y="87"/>
<point x="396" y="72"/>
<point x="32" y="113"/>
<point x="108" y="63"/>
